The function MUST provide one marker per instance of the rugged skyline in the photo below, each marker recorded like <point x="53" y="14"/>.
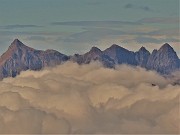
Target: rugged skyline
<point x="19" y="57"/>
<point x="75" y="26"/>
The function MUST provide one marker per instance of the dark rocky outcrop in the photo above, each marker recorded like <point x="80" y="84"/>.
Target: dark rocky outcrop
<point x="142" y="56"/>
<point x="120" y="55"/>
<point x="164" y="60"/>
<point x="95" y="54"/>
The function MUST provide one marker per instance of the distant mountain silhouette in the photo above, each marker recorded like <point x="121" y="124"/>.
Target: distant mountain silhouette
<point x="142" y="56"/>
<point x="95" y="54"/>
<point x="20" y="57"/>
<point x="164" y="60"/>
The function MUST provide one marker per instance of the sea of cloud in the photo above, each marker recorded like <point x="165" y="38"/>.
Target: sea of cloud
<point x="73" y="98"/>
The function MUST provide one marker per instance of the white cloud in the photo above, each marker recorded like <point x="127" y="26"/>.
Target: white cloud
<point x="89" y="99"/>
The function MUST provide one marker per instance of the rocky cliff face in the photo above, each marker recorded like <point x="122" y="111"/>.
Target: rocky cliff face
<point x="95" y="54"/>
<point x="120" y="55"/>
<point x="164" y="60"/>
<point x="142" y="57"/>
<point x="20" y="57"/>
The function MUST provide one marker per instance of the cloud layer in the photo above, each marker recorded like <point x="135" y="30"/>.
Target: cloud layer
<point x="89" y="99"/>
<point x="131" y="6"/>
<point x="18" y="26"/>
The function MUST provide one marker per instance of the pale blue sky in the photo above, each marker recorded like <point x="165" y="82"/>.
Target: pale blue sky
<point x="74" y="26"/>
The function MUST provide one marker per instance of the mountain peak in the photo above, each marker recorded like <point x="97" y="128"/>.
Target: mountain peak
<point x="13" y="50"/>
<point x="95" y="49"/>
<point x="154" y="51"/>
<point x="115" y="46"/>
<point x="164" y="60"/>
<point x="20" y="57"/>
<point x="142" y="49"/>
<point x="16" y="42"/>
<point x="142" y="56"/>
<point x="166" y="46"/>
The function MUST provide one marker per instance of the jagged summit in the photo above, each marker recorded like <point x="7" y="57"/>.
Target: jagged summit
<point x="120" y="55"/>
<point x="154" y="51"/>
<point x="95" y="49"/>
<point x="17" y="44"/>
<point x="166" y="46"/>
<point x="142" y="56"/>
<point x="20" y="57"/>
<point x="115" y="46"/>
<point x="115" y="49"/>
<point x="164" y="60"/>
<point x="16" y="41"/>
<point x="143" y="49"/>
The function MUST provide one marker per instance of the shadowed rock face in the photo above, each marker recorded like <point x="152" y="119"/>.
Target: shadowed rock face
<point x="142" y="56"/>
<point x="120" y="55"/>
<point x="95" y="54"/>
<point x="164" y="60"/>
<point x="20" y="57"/>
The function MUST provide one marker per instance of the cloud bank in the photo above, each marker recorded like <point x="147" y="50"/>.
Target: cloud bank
<point x="131" y="6"/>
<point x="18" y="26"/>
<point x="89" y="99"/>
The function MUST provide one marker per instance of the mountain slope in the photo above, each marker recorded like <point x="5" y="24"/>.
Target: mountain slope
<point x="120" y="55"/>
<point x="164" y="60"/>
<point x="142" y="56"/>
<point x="20" y="57"/>
<point x="95" y="54"/>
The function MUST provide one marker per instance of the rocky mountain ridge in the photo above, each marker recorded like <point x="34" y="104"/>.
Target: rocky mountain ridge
<point x="20" y="57"/>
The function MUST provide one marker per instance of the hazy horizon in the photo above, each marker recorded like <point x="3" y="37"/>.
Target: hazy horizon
<point x="75" y="26"/>
<point x="126" y="47"/>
